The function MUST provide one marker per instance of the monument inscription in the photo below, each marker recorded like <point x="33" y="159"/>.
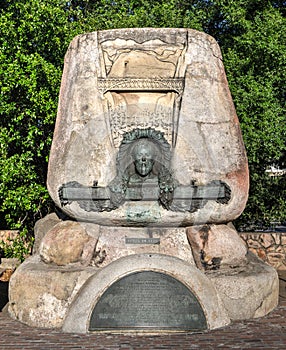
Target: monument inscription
<point x="148" y="300"/>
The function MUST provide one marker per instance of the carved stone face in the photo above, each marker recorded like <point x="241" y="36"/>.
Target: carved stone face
<point x="144" y="155"/>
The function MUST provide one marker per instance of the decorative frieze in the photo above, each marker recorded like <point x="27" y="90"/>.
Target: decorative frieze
<point x="141" y="84"/>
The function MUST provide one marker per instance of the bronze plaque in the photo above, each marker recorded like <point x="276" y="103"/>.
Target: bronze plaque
<point x="148" y="300"/>
<point x="139" y="240"/>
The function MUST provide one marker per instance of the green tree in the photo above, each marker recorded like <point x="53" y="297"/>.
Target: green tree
<point x="254" y="51"/>
<point x="34" y="36"/>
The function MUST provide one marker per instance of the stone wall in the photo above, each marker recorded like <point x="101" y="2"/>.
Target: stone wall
<point x="7" y="235"/>
<point x="268" y="246"/>
<point x="7" y="266"/>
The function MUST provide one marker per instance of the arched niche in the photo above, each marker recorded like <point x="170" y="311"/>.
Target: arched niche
<point x="79" y="315"/>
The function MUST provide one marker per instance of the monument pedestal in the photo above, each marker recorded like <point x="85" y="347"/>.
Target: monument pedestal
<point x="153" y="285"/>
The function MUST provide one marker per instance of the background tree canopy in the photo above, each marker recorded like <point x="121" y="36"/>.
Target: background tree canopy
<point x="34" y="36"/>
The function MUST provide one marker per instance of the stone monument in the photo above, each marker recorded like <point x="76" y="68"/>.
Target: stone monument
<point x="148" y="170"/>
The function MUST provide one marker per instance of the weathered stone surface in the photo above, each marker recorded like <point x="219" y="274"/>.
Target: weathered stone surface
<point x="97" y="107"/>
<point x="253" y="244"/>
<point x="266" y="240"/>
<point x="261" y="254"/>
<point x="216" y="245"/>
<point x="40" y="295"/>
<point x="248" y="292"/>
<point x="67" y="243"/>
<point x="277" y="260"/>
<point x="10" y="263"/>
<point x="116" y="242"/>
<point x="277" y="238"/>
<point x="42" y="226"/>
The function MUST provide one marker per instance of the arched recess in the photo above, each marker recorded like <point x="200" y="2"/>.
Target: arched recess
<point x="79" y="313"/>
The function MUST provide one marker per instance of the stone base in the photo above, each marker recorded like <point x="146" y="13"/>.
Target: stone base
<point x="40" y="294"/>
<point x="64" y="297"/>
<point x="76" y="263"/>
<point x="249" y="291"/>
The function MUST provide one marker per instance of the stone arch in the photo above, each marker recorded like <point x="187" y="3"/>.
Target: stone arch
<point x="79" y="313"/>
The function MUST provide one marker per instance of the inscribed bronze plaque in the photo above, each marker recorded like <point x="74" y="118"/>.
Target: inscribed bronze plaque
<point x="141" y="240"/>
<point x="148" y="300"/>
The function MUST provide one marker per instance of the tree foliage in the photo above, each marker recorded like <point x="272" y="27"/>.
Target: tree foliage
<point x="34" y="36"/>
<point x="33" y="39"/>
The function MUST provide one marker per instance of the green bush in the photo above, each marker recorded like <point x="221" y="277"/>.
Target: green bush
<point x="19" y="247"/>
<point x="34" y="36"/>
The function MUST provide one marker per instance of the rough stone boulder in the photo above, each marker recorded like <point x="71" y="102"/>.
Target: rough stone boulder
<point x="67" y="243"/>
<point x="216" y="245"/>
<point x="41" y="228"/>
<point x="169" y="80"/>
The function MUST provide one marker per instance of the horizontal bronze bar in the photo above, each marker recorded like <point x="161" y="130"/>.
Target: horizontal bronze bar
<point x="208" y="192"/>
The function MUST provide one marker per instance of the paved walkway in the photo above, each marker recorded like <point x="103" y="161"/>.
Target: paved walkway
<point x="268" y="332"/>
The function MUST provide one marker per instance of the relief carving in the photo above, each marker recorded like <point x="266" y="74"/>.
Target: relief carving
<point x="142" y="86"/>
<point x="143" y="174"/>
